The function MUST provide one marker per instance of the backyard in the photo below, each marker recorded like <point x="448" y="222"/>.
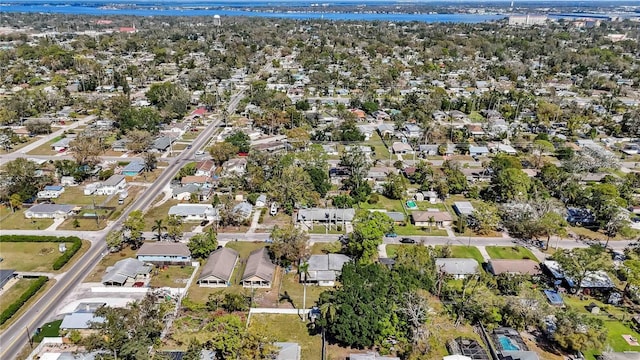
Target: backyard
<point x="466" y="252"/>
<point x="289" y="328"/>
<point x="17" y="221"/>
<point x="292" y="290"/>
<point x="75" y="195"/>
<point x="171" y="276"/>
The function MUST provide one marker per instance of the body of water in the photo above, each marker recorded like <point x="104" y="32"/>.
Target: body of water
<point x="231" y="8"/>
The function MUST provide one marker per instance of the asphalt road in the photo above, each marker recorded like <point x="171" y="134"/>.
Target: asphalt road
<point x="15" y="337"/>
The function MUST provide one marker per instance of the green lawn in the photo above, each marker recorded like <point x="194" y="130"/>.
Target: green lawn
<point x="173" y="276"/>
<point x="29" y="256"/>
<point x="244" y="248"/>
<point x="325" y="248"/>
<point x="381" y="151"/>
<point x="392" y="249"/>
<point x="293" y="290"/>
<point x="51" y="329"/>
<point x="322" y="229"/>
<point x="85" y="224"/>
<point x="410" y="229"/>
<point x="289" y="328"/>
<point x="157" y="212"/>
<point x="75" y="195"/>
<point x="510" y="252"/>
<point x="425" y="205"/>
<point x="10" y="295"/>
<point x="45" y="149"/>
<point x="384" y="203"/>
<point x="615" y="330"/>
<point x="17" y="221"/>
<point x="467" y="252"/>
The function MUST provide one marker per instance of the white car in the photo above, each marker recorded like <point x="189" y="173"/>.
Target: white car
<point x="274" y="209"/>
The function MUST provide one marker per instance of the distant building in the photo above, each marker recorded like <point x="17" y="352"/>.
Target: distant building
<point x="527" y="20"/>
<point x="216" y="20"/>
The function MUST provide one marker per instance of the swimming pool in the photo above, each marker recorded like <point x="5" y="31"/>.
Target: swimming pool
<point x="411" y="204"/>
<point x="507" y="344"/>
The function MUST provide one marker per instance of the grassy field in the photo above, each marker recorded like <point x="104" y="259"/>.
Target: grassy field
<point x="289" y="328"/>
<point x="51" y="329"/>
<point x="325" y="248"/>
<point x="381" y="151"/>
<point x="18" y="146"/>
<point x="293" y="290"/>
<point x="321" y="229"/>
<point x="245" y="248"/>
<point x="173" y="276"/>
<point x="17" y="221"/>
<point x="384" y="203"/>
<point x="43" y="290"/>
<point x="45" y="149"/>
<point x="108" y="260"/>
<point x="411" y="229"/>
<point x="75" y="195"/>
<point x="29" y="256"/>
<point x="157" y="212"/>
<point x="595" y="235"/>
<point x="13" y="293"/>
<point x="87" y="224"/>
<point x="510" y="252"/>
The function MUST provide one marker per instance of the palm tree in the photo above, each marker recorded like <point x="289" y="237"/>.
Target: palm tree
<point x="303" y="269"/>
<point x="432" y="221"/>
<point x="159" y="227"/>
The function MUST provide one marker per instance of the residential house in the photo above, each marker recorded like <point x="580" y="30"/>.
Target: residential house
<point x="330" y="150"/>
<point x="162" y="143"/>
<point x="430" y="196"/>
<point x="68" y="181"/>
<point x="61" y="145"/>
<point x="194" y="212"/>
<point x="478" y="150"/>
<point x="520" y="266"/>
<point x="397" y="217"/>
<point x="179" y="128"/>
<point x="459" y="268"/>
<point x="507" y="149"/>
<point x="198" y="180"/>
<point x="237" y="166"/>
<point x="120" y="145"/>
<point x="205" y="168"/>
<point x="185" y="193"/>
<point x="163" y="253"/>
<point x="593" y="280"/>
<point x="379" y="173"/>
<point x="463" y="208"/>
<point x="126" y="271"/>
<point x="6" y="275"/>
<point x="431" y="218"/>
<point x="112" y="185"/>
<point x="324" y="269"/>
<point x="49" y="211"/>
<point x="428" y="149"/>
<point x="261" y="201"/>
<point x="324" y="215"/>
<point x="218" y="270"/>
<point x="50" y="192"/>
<point x="401" y="148"/>
<point x="439" y="115"/>
<point x="80" y="321"/>
<point x="133" y="168"/>
<point x="386" y="130"/>
<point x="258" y="272"/>
<point x="475" y="130"/>
<point x="412" y="131"/>
<point x="243" y="210"/>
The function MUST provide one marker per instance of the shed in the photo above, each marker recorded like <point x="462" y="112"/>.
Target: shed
<point x="218" y="270"/>
<point x="259" y="270"/>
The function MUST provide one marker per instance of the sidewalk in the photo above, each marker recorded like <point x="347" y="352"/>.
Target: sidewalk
<point x="382" y="251"/>
<point x="485" y="254"/>
<point x="254" y="221"/>
<point x="56" y="223"/>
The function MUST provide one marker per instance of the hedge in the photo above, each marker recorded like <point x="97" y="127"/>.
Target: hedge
<point x="63" y="259"/>
<point x="13" y="308"/>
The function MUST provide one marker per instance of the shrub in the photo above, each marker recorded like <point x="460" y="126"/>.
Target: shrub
<point x="373" y="199"/>
<point x="63" y="259"/>
<point x="13" y="308"/>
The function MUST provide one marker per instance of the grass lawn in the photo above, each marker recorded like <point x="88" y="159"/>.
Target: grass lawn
<point x="325" y="248"/>
<point x="75" y="195"/>
<point x="18" y="146"/>
<point x="470" y="233"/>
<point x="589" y="234"/>
<point x="466" y="252"/>
<point x="615" y="330"/>
<point x="321" y="229"/>
<point x="425" y="205"/>
<point x="45" y="149"/>
<point x="29" y="256"/>
<point x="384" y="203"/>
<point x="244" y="248"/>
<point x="411" y="229"/>
<point x="290" y="287"/>
<point x="43" y="290"/>
<point x="289" y="328"/>
<point x="17" y="221"/>
<point x="51" y="329"/>
<point x="179" y="146"/>
<point x="106" y="261"/>
<point x="392" y="249"/>
<point x="381" y="151"/>
<point x="510" y="252"/>
<point x="12" y="294"/>
<point x="173" y="276"/>
<point x="88" y="224"/>
<point x="157" y="212"/>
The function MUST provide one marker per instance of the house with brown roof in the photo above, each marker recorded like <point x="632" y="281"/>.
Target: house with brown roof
<point x="218" y="270"/>
<point x="164" y="253"/>
<point x="520" y="266"/>
<point x="259" y="270"/>
<point x="431" y="218"/>
<point x="194" y="180"/>
<point x="205" y="168"/>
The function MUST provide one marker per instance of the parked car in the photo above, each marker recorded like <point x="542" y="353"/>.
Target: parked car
<point x="204" y="222"/>
<point x="406" y="240"/>
<point x="391" y="235"/>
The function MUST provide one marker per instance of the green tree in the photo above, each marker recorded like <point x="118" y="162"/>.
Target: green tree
<point x="174" y="226"/>
<point x="239" y="140"/>
<point x="320" y="179"/>
<point x="114" y="239"/>
<point x="160" y="227"/>
<point x="486" y="218"/>
<point x="203" y="244"/>
<point x="222" y="151"/>
<point x="510" y="184"/>
<point x="552" y="224"/>
<point x="20" y="177"/>
<point x="577" y="263"/>
<point x="289" y="244"/>
<point x="539" y="148"/>
<point x="578" y="332"/>
<point x="303" y="272"/>
<point x="368" y="231"/>
<point x="139" y="140"/>
<point x="293" y="187"/>
<point x="15" y="201"/>
<point x="395" y="186"/>
<point x="134" y="224"/>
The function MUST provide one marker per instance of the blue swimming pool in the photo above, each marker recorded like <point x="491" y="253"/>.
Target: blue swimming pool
<point x="412" y="204"/>
<point x="507" y="344"/>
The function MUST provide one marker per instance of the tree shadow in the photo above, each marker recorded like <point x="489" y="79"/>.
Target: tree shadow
<point x="286" y="297"/>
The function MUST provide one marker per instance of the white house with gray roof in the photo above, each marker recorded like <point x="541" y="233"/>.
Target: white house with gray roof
<point x="194" y="212"/>
<point x="459" y="268"/>
<point x="112" y="185"/>
<point x="49" y="211"/>
<point x="125" y="270"/>
<point x="324" y="269"/>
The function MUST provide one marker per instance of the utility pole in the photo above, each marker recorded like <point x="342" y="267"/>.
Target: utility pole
<point x="29" y="337"/>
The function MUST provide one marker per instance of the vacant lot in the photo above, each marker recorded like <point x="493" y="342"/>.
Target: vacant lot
<point x="289" y="328"/>
<point x="17" y="221"/>
<point x="29" y="256"/>
<point x="510" y="252"/>
<point x="12" y="294"/>
<point x="172" y="276"/>
<point x="75" y="195"/>
<point x="291" y="290"/>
